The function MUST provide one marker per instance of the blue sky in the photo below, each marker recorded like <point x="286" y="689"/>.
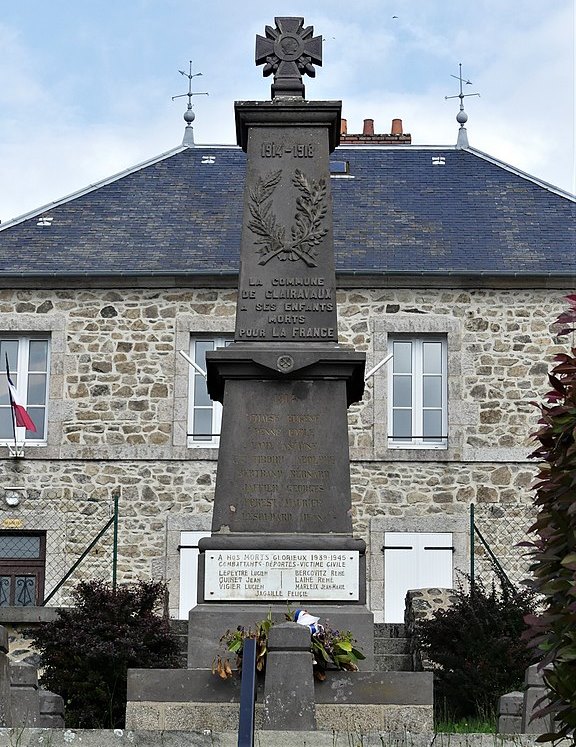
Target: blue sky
<point x="85" y="88"/>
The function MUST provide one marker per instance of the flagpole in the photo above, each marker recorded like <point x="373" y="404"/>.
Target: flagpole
<point x="11" y="407"/>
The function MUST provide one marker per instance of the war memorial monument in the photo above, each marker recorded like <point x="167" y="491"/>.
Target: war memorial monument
<point x="282" y="528"/>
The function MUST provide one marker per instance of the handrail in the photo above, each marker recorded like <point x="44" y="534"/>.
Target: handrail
<point x="247" y="694"/>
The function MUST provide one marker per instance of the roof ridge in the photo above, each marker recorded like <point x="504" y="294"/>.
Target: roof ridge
<point x="524" y="174"/>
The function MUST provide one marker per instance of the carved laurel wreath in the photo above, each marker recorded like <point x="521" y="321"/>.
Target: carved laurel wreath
<point x="305" y="234"/>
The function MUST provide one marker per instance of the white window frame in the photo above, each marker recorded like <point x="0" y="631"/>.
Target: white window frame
<point x="195" y="377"/>
<point x="418" y="441"/>
<point x="20" y="376"/>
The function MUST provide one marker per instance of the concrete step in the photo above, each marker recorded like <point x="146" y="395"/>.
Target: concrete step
<point x="391" y="646"/>
<point x="393" y="663"/>
<point x="389" y="630"/>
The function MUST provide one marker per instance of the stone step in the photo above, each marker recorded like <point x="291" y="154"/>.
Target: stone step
<point x="389" y="630"/>
<point x="391" y="646"/>
<point x="393" y="663"/>
<point x="180" y="630"/>
<point x="180" y="627"/>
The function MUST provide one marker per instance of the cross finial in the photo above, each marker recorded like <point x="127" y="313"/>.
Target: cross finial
<point x="289" y="51"/>
<point x="461" y="117"/>
<point x="189" y="115"/>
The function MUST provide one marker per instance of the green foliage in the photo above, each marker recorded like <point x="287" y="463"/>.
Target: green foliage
<point x="553" y="633"/>
<point x="234" y="641"/>
<point x="330" y="648"/>
<point x="475" y="725"/>
<point x="477" y="648"/>
<point x="87" y="651"/>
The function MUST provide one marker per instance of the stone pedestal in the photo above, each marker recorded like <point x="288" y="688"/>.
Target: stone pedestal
<point x="51" y="710"/>
<point x="24" y="695"/>
<point x="210" y="621"/>
<point x="289" y="686"/>
<point x="535" y="691"/>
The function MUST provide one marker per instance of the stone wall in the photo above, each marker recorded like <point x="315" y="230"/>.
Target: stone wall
<point x="118" y="409"/>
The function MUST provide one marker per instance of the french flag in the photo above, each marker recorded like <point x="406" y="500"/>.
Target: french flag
<point x="21" y="417"/>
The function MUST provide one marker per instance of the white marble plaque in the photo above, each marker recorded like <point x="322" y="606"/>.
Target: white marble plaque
<point x="268" y="575"/>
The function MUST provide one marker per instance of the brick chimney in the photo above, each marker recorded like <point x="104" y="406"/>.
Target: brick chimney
<point x="368" y="127"/>
<point x="368" y="137"/>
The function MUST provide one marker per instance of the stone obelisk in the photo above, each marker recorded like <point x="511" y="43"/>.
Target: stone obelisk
<point x="282" y="528"/>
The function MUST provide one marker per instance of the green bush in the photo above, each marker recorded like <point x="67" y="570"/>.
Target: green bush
<point x="87" y="651"/>
<point x="477" y="648"/>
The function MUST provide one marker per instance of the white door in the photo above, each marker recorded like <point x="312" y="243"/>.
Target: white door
<point x="189" y="571"/>
<point x="414" y="560"/>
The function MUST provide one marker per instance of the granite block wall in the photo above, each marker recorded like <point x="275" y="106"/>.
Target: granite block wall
<point x="119" y="399"/>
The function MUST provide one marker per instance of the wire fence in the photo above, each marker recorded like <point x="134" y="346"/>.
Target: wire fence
<point x="44" y="552"/>
<point x="495" y="533"/>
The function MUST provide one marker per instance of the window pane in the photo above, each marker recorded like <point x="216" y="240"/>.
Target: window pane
<point x="37" y="415"/>
<point x="19" y="546"/>
<point x="201" y="347"/>
<point x="4" y="399"/>
<point x="432" y="357"/>
<point x="25" y="591"/>
<point x="402" y="424"/>
<point x="37" y="389"/>
<point x="202" y="428"/>
<point x="402" y="396"/>
<point x="10" y="347"/>
<point x="402" y="361"/>
<point x="38" y="355"/>
<point x="201" y="392"/>
<point x="5" y="591"/>
<point x="432" y="391"/>
<point x="6" y="425"/>
<point x="432" y="424"/>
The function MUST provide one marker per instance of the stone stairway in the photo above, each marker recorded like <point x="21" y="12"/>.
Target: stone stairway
<point x="391" y="648"/>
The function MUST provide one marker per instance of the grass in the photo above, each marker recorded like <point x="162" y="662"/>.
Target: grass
<point x="472" y="725"/>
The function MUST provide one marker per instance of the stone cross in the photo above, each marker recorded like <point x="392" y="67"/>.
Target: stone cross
<point x="289" y="51"/>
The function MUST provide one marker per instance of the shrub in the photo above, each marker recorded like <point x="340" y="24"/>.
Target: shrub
<point x="87" y="651"/>
<point x="477" y="648"/>
<point x="553" y="633"/>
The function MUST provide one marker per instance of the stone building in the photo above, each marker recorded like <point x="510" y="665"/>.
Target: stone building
<point x="451" y="260"/>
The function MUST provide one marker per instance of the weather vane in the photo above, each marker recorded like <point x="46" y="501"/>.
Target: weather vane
<point x="189" y="115"/>
<point x="461" y="117"/>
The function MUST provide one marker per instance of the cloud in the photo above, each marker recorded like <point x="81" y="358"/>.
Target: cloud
<point x="86" y="94"/>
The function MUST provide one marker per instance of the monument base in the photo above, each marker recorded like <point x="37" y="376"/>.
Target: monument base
<point x="354" y="702"/>
<point x="207" y="622"/>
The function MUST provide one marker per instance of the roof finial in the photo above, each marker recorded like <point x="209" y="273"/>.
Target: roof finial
<point x="189" y="115"/>
<point x="461" y="117"/>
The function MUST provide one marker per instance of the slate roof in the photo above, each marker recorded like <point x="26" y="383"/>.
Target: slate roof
<point x="397" y="211"/>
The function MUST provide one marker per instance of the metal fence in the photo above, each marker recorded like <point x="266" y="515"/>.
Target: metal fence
<point x="77" y="542"/>
<point x="496" y="530"/>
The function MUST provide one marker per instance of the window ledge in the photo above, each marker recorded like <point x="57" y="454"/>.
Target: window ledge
<point x="27" y="615"/>
<point x="450" y="454"/>
<point x="202" y="452"/>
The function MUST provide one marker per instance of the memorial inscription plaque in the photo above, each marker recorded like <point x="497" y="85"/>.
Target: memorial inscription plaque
<point x="268" y="575"/>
